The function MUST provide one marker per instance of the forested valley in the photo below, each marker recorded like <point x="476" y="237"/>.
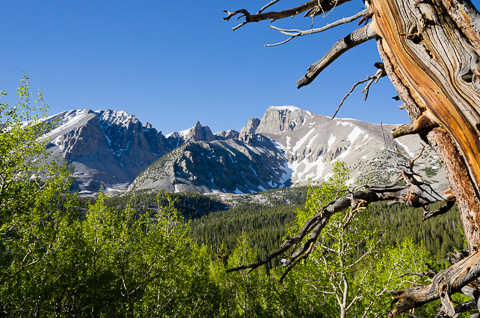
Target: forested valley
<point x="152" y="255"/>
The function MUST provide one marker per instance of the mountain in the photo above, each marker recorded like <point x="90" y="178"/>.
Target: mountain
<point x="109" y="148"/>
<point x="231" y="165"/>
<point x="196" y="133"/>
<point x="311" y="143"/>
<point x="288" y="146"/>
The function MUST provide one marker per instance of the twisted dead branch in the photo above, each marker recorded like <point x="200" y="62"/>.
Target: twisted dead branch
<point x="359" y="36"/>
<point x="293" y="33"/>
<point x="415" y="193"/>
<point x="313" y="8"/>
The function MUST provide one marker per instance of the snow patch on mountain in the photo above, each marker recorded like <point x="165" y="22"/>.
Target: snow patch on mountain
<point x="66" y="120"/>
<point x="331" y="141"/>
<point x="356" y="132"/>
<point x="286" y="171"/>
<point x="183" y="133"/>
<point x="405" y="147"/>
<point x="344" y="123"/>
<point x="302" y="141"/>
<point x="116" y="117"/>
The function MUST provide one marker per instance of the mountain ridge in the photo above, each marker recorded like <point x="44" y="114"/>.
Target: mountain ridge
<point x="287" y="146"/>
<point x="108" y="148"/>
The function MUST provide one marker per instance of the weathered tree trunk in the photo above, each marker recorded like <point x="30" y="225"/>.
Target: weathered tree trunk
<point x="431" y="53"/>
<point x="433" y="61"/>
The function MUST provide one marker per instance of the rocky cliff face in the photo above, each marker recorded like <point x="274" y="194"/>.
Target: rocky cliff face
<point x="196" y="133"/>
<point x="110" y="148"/>
<point x="229" y="134"/>
<point x="231" y="165"/>
<point x="249" y="130"/>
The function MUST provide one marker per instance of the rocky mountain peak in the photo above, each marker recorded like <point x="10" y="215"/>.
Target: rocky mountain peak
<point x="199" y="133"/>
<point x="116" y="117"/>
<point x="280" y="119"/>
<point x="196" y="133"/>
<point x="250" y="128"/>
<point x="104" y="147"/>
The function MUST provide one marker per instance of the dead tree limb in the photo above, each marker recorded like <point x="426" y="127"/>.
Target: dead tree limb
<point x="460" y="308"/>
<point x="314" y="8"/>
<point x="359" y="36"/>
<point x="470" y="290"/>
<point x="414" y="193"/>
<point x="293" y="33"/>
<point x="421" y="125"/>
<point x="444" y="209"/>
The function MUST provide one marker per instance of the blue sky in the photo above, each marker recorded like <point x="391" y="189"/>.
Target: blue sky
<point x="172" y="63"/>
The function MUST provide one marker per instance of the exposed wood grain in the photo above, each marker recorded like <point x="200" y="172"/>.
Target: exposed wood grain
<point x="434" y="61"/>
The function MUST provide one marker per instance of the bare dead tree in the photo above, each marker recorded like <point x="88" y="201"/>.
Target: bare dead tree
<point x="431" y="53"/>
